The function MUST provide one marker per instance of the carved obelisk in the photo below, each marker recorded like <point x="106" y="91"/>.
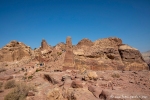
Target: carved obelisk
<point x="69" y="56"/>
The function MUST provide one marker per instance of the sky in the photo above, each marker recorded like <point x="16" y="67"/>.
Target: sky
<point x="30" y="21"/>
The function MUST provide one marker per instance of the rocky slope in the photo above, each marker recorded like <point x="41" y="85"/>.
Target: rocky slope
<point x="103" y="54"/>
<point x="105" y="69"/>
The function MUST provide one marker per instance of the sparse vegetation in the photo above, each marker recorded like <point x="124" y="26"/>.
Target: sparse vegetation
<point x="6" y="65"/>
<point x="19" y="92"/>
<point x="37" y="70"/>
<point x="22" y="69"/>
<point x="30" y="77"/>
<point x="10" y="84"/>
<point x="59" y="53"/>
<point x="115" y="75"/>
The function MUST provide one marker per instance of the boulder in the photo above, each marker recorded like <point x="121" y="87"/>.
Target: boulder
<point x="77" y="84"/>
<point x="95" y="90"/>
<point x="92" y="75"/>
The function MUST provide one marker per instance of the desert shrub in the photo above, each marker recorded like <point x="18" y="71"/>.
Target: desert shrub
<point x="22" y="69"/>
<point x="6" y="65"/>
<point x="19" y="92"/>
<point x="115" y="75"/>
<point x="59" y="53"/>
<point x="30" y="77"/>
<point x="10" y="84"/>
<point x="37" y="70"/>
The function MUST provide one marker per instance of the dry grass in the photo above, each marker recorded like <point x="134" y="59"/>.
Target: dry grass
<point x="19" y="92"/>
<point x="115" y="75"/>
<point x="10" y="84"/>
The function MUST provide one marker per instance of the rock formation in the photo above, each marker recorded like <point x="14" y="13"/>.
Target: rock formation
<point x="43" y="53"/>
<point x="15" y="51"/>
<point x="132" y="58"/>
<point x="103" y="54"/>
<point x="69" y="56"/>
<point x="107" y="54"/>
<point x="146" y="57"/>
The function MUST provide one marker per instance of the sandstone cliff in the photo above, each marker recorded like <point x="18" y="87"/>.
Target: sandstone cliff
<point x="15" y="51"/>
<point x="107" y="54"/>
<point x="103" y="54"/>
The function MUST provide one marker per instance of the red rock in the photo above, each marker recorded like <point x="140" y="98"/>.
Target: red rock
<point x="95" y="90"/>
<point x="69" y="56"/>
<point x="77" y="84"/>
<point x="31" y="93"/>
<point x="6" y="77"/>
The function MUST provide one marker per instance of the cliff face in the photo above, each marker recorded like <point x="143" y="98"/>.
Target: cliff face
<point x="15" y="51"/>
<point x="132" y="58"/>
<point x="103" y="54"/>
<point x="108" y="54"/>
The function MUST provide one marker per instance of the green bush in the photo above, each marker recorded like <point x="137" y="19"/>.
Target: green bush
<point x="10" y="84"/>
<point x="115" y="75"/>
<point x="19" y="92"/>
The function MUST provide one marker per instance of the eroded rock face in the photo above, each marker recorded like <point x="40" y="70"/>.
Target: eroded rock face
<point x="146" y="57"/>
<point x="69" y="56"/>
<point x="102" y="55"/>
<point x="132" y="58"/>
<point x="15" y="51"/>
<point x="107" y="54"/>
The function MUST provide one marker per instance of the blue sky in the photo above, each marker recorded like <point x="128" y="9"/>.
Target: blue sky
<point x="30" y="21"/>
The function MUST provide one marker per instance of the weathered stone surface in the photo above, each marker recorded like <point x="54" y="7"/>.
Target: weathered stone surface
<point x="102" y="55"/>
<point x="92" y="75"/>
<point x="69" y="56"/>
<point x="146" y="57"/>
<point x="132" y="58"/>
<point x="5" y="77"/>
<point x="95" y="90"/>
<point x="85" y="42"/>
<point x="77" y="84"/>
<point x="44" y="45"/>
<point x="15" y="51"/>
<point x="108" y="54"/>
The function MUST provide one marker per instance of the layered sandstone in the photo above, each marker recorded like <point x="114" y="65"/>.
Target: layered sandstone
<point x="108" y="54"/>
<point x="132" y="58"/>
<point x="69" y="56"/>
<point x="103" y="54"/>
<point x="15" y="51"/>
